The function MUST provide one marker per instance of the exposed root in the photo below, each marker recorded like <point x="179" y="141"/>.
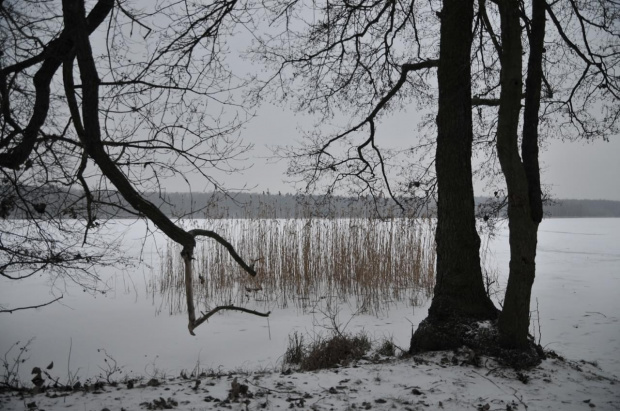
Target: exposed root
<point x="480" y="336"/>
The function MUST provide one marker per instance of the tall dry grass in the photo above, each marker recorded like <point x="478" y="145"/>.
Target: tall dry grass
<point x="369" y="263"/>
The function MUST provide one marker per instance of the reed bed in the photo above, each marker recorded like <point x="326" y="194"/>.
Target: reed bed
<point x="369" y="263"/>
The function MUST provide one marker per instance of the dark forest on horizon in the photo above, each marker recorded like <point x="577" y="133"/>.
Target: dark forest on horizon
<point x="70" y="204"/>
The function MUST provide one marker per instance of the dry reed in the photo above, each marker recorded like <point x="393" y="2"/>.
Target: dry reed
<point x="367" y="262"/>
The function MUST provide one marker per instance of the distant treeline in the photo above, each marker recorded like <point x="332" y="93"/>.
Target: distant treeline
<point x="71" y="204"/>
<point x="265" y="205"/>
<point x="256" y="205"/>
<point x="583" y="208"/>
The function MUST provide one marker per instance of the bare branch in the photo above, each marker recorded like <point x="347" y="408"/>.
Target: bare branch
<point x="53" y="56"/>
<point x="231" y="250"/>
<point x="490" y="102"/>
<point x="31" y="307"/>
<point x="206" y="316"/>
<point x="487" y="24"/>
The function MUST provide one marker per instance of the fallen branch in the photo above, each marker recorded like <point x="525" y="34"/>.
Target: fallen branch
<point x="31" y="307"/>
<point x="206" y="316"/>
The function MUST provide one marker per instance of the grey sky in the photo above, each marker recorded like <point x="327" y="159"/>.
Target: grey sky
<point x="582" y="170"/>
<point x="577" y="170"/>
<point x="571" y="169"/>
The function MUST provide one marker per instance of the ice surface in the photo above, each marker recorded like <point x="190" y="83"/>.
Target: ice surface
<point x="577" y="284"/>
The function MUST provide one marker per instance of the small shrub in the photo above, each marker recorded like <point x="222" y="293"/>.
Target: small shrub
<point x="387" y="348"/>
<point x="295" y="351"/>
<point x="10" y="365"/>
<point x="339" y="349"/>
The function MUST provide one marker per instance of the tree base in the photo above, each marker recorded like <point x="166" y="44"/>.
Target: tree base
<point x="480" y="336"/>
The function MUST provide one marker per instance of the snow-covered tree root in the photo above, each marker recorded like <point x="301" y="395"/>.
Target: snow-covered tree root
<point x="482" y="337"/>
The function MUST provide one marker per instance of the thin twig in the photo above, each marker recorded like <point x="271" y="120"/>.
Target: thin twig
<point x="514" y="393"/>
<point x="538" y="320"/>
<point x="30" y="307"/>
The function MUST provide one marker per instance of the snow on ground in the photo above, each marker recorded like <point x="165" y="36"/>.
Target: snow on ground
<point x="576" y="286"/>
<point x="429" y="381"/>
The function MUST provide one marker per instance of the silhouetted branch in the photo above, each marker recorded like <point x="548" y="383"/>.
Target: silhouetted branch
<point x="206" y="316"/>
<point x="231" y="250"/>
<point x="31" y="307"/>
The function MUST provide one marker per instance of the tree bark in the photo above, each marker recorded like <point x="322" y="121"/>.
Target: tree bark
<point x="459" y="291"/>
<point x="522" y="177"/>
<point x="533" y="84"/>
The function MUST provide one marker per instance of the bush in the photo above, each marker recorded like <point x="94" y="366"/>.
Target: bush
<point x="295" y="351"/>
<point x="339" y="349"/>
<point x="387" y="348"/>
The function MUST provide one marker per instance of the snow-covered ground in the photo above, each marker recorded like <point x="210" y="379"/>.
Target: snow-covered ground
<point x="576" y="287"/>
<point x="425" y="382"/>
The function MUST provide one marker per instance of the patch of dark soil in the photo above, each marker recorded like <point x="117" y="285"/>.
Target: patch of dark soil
<point x="153" y="382"/>
<point x="238" y="390"/>
<point x="160" y="404"/>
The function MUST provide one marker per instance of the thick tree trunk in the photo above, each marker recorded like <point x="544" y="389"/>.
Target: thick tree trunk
<point x="522" y="178"/>
<point x="533" y="83"/>
<point x="459" y="290"/>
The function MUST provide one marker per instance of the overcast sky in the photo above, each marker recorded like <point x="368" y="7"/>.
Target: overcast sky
<point x="576" y="170"/>
<point x="579" y="170"/>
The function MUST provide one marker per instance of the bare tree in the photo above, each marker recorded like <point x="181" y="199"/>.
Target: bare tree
<point x="596" y="28"/>
<point x="347" y="60"/>
<point x="39" y="231"/>
<point x="459" y="294"/>
<point x="105" y="122"/>
<point x="366" y="58"/>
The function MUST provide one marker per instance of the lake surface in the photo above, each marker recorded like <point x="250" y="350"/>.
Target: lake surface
<point x="577" y="288"/>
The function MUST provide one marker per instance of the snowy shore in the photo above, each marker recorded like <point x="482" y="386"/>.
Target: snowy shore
<point x="578" y="315"/>
<point x="431" y="381"/>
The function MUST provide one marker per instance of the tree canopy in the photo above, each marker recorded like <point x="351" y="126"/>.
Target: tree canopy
<point x="500" y="79"/>
<point x="86" y="122"/>
<point x="100" y="106"/>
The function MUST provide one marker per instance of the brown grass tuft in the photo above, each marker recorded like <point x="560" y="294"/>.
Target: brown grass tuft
<point x="326" y="352"/>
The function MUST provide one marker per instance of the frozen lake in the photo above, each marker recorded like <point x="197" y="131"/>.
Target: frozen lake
<point x="577" y="285"/>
